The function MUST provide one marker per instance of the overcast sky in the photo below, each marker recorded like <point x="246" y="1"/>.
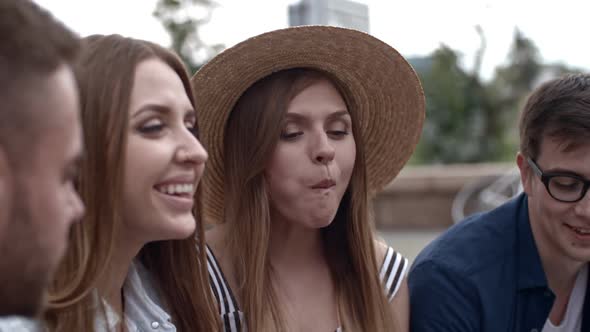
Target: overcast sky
<point x="414" y="27"/>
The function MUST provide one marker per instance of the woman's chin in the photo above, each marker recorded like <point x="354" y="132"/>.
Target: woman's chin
<point x="179" y="228"/>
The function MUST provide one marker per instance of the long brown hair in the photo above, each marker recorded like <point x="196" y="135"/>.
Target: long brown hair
<point x="105" y="72"/>
<point x="252" y="133"/>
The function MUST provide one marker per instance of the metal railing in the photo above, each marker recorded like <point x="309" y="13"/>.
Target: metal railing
<point x="485" y="194"/>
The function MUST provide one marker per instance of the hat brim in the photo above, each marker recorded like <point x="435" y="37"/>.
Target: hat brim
<point x="380" y="85"/>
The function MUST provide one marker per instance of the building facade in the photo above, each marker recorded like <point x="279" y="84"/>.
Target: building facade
<point x="341" y="13"/>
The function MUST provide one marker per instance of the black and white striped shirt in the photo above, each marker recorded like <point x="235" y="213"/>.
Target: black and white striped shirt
<point x="393" y="269"/>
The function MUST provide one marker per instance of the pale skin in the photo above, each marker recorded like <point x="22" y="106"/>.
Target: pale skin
<point x="317" y="137"/>
<point x="162" y="153"/>
<point x="562" y="253"/>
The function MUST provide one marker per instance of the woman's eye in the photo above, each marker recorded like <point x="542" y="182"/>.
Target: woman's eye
<point x="338" y="130"/>
<point x="338" y="133"/>
<point x="151" y="127"/>
<point x="291" y="135"/>
<point x="290" y="132"/>
<point x="191" y="126"/>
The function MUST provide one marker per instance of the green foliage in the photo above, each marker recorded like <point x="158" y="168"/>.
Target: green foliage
<point x="469" y="120"/>
<point x="182" y="19"/>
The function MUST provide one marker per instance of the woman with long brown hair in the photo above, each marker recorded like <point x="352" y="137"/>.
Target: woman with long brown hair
<point x="303" y="126"/>
<point x="131" y="263"/>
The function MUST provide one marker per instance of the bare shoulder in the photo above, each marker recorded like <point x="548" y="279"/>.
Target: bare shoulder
<point x="385" y="254"/>
<point x="393" y="267"/>
<point x="381" y="249"/>
<point x="400" y="306"/>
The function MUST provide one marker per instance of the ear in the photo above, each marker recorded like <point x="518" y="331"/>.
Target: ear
<point x="525" y="173"/>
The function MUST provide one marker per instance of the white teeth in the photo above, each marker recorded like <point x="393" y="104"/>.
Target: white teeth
<point x="583" y="231"/>
<point x="175" y="189"/>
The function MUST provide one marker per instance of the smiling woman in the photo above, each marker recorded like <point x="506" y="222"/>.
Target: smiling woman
<point x="130" y="258"/>
<point x="164" y="161"/>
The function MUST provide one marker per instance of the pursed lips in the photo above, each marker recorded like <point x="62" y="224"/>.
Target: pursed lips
<point x="324" y="184"/>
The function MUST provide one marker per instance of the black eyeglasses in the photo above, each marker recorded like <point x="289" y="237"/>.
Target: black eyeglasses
<point x="564" y="187"/>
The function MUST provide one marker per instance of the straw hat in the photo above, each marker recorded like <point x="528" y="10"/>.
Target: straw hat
<point x="380" y="85"/>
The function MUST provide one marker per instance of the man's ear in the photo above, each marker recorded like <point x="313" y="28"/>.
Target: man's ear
<point x="525" y="172"/>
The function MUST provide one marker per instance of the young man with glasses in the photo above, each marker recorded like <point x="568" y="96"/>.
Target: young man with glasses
<point x="524" y="265"/>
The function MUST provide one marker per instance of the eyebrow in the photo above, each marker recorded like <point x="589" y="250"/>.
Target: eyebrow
<point x="161" y="109"/>
<point x="339" y="114"/>
<point x="298" y="117"/>
<point x="559" y="170"/>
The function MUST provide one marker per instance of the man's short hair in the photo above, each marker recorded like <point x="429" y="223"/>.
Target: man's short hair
<point x="33" y="45"/>
<point x="559" y="109"/>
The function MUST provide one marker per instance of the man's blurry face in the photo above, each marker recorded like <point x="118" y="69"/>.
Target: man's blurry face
<point x="44" y="202"/>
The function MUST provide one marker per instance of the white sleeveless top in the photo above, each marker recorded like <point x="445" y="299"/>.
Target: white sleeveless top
<point x="392" y="273"/>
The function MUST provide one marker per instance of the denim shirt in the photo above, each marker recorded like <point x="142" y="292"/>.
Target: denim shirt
<point x="483" y="274"/>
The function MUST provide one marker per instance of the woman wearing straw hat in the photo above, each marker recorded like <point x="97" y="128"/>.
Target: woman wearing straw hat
<point x="304" y="125"/>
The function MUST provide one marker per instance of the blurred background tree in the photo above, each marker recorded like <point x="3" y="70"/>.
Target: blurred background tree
<point x="460" y="123"/>
<point x="182" y="20"/>
<point x="469" y="119"/>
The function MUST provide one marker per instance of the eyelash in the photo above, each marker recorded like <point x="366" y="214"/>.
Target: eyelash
<point x="292" y="136"/>
<point x="158" y="127"/>
<point x="193" y="129"/>
<point x="339" y="133"/>
<point x="151" y="129"/>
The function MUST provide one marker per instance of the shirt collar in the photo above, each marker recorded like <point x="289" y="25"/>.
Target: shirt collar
<point x="142" y="306"/>
<point x="141" y="300"/>
<point x="530" y="269"/>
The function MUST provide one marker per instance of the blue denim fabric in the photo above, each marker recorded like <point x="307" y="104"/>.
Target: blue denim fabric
<point x="483" y="274"/>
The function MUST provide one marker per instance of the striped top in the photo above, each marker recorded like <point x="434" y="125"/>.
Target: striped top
<point x="392" y="271"/>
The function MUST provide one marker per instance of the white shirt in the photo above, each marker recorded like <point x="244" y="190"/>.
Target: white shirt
<point x="572" y="322"/>
<point x="143" y="311"/>
<point x="17" y="323"/>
